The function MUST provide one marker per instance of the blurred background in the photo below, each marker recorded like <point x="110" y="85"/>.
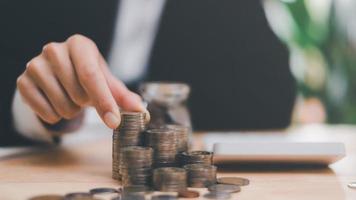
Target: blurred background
<point x="321" y="37"/>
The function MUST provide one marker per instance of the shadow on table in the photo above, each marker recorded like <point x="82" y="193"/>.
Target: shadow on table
<point x="275" y="168"/>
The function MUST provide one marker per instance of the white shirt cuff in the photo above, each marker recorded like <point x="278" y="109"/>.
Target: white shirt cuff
<point x="27" y="123"/>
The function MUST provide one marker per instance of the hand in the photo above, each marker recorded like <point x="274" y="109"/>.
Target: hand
<point x="69" y="76"/>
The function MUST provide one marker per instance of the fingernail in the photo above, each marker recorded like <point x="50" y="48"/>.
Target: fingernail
<point x="111" y="120"/>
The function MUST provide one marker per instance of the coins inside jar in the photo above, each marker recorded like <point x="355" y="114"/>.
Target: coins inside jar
<point x="170" y="179"/>
<point x="201" y="175"/>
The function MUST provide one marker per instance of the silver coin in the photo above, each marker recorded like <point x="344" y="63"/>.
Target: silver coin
<point x="102" y="190"/>
<point x="217" y="195"/>
<point x="234" y="181"/>
<point x="352" y="185"/>
<point x="164" y="197"/>
<point x="79" y="196"/>
<point x="224" y="188"/>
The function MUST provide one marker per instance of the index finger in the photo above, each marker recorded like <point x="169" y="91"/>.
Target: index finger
<point x="85" y="57"/>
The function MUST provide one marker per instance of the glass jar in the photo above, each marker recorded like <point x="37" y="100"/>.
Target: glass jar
<point x="166" y="102"/>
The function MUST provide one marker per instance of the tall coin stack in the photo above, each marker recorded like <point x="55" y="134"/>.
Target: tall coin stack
<point x="127" y="134"/>
<point x="201" y="175"/>
<point x="170" y="179"/>
<point x="136" y="166"/>
<point x="164" y="142"/>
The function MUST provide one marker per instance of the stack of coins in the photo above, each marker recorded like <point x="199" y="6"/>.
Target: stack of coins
<point x="201" y="175"/>
<point x="170" y="179"/>
<point x="195" y="157"/>
<point x="164" y="142"/>
<point x="127" y="134"/>
<point x="183" y="133"/>
<point x="136" y="166"/>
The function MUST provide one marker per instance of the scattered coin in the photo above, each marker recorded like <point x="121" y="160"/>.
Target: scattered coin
<point x="224" y="188"/>
<point x="352" y="185"/>
<point x="170" y="179"/>
<point x="188" y="194"/>
<point x="201" y="175"/>
<point x="217" y="195"/>
<point x="79" y="196"/>
<point x="164" y="197"/>
<point x="132" y="196"/>
<point x="102" y="190"/>
<point x="47" y="197"/>
<point x="234" y="181"/>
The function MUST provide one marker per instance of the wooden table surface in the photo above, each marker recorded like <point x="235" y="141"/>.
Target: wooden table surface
<point x="83" y="162"/>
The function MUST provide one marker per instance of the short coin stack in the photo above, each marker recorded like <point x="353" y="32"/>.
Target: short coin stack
<point x="170" y="179"/>
<point x="201" y="175"/>
<point x="136" y="165"/>
<point x="164" y="142"/>
<point x="129" y="133"/>
<point x="195" y="157"/>
<point x="183" y="133"/>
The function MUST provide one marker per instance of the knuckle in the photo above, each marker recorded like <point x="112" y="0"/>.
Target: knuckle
<point x="80" y="100"/>
<point x="68" y="111"/>
<point x="51" y="49"/>
<point x="20" y="82"/>
<point x="88" y="74"/>
<point x="77" y="38"/>
<point x="33" y="66"/>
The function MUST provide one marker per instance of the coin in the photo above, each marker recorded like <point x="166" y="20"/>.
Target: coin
<point x="201" y="175"/>
<point x="102" y="190"/>
<point x="352" y="185"/>
<point x="164" y="197"/>
<point x="188" y="194"/>
<point x="224" y="188"/>
<point x="234" y="181"/>
<point x="195" y="157"/>
<point x="217" y="195"/>
<point x="47" y="197"/>
<point x="170" y="179"/>
<point x="78" y="196"/>
<point x="132" y="196"/>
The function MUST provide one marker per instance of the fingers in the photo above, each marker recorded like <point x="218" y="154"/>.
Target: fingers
<point x="85" y="58"/>
<point x="123" y="96"/>
<point x="40" y="72"/>
<point x="35" y="99"/>
<point x="57" y="54"/>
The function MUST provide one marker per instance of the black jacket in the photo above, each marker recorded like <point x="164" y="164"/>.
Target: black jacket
<point x="224" y="49"/>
